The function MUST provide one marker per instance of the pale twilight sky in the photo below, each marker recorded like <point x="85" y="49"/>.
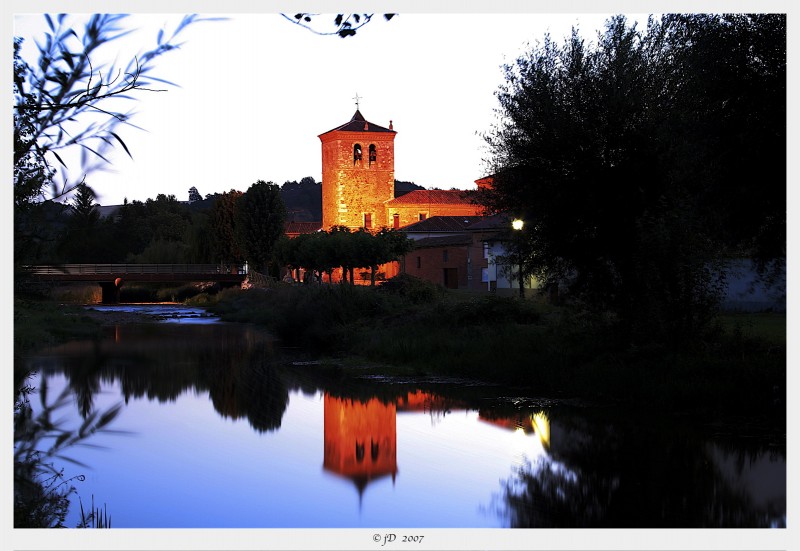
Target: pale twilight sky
<point x="256" y="91"/>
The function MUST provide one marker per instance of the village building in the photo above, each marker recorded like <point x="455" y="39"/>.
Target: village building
<point x="358" y="182"/>
<point x="473" y="253"/>
<point x="421" y="204"/>
<point x="456" y="245"/>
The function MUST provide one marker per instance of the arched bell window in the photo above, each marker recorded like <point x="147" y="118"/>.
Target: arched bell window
<point x="356" y="153"/>
<point x="373" y="154"/>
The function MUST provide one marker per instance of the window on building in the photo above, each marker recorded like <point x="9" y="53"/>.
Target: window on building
<point x="373" y="154"/>
<point x="419" y="262"/>
<point x="368" y="220"/>
<point x="485" y="249"/>
<point x="444" y="255"/>
<point x="356" y="153"/>
<point x="396" y="221"/>
<point x="422" y="216"/>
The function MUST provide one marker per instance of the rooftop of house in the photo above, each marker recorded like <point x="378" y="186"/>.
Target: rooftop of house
<point x="432" y="197"/>
<point x="441" y="224"/>
<point x="302" y="227"/>
<point x="489" y="223"/>
<point x="459" y="239"/>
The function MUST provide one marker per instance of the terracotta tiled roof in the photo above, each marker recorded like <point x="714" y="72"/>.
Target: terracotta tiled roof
<point x="357" y="124"/>
<point x="302" y="227"/>
<point x="447" y="241"/>
<point x="443" y="224"/>
<point x="432" y="197"/>
<point x="494" y="222"/>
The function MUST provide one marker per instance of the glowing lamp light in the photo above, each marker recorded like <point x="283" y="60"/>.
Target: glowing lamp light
<point x="517" y="224"/>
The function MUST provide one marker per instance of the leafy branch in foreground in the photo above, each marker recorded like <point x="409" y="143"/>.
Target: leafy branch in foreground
<point x="64" y="100"/>
<point x="41" y="493"/>
<point x="344" y="25"/>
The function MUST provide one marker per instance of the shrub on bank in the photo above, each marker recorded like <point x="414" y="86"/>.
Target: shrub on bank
<point x="77" y="294"/>
<point x="315" y="315"/>
<point x="504" y="339"/>
<point x="402" y="318"/>
<point x="184" y="292"/>
<point x="416" y="290"/>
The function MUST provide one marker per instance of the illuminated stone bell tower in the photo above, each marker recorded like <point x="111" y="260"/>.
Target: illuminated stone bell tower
<point x="357" y="174"/>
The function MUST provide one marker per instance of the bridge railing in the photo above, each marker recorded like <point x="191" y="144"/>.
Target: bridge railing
<point x="57" y="269"/>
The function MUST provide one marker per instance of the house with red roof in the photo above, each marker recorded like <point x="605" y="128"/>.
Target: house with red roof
<point x="455" y="244"/>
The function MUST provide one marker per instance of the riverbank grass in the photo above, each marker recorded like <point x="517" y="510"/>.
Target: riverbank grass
<point x="424" y="330"/>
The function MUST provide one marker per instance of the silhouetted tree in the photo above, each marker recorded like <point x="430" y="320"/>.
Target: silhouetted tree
<point x="84" y="211"/>
<point x="222" y="234"/>
<point x="194" y="195"/>
<point x="260" y="219"/>
<point x="625" y="160"/>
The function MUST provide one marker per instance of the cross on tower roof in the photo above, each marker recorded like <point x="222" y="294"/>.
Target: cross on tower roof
<point x="357" y="98"/>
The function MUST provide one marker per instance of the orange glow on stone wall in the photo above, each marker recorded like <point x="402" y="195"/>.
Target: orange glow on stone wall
<point x="360" y="438"/>
<point x="351" y="189"/>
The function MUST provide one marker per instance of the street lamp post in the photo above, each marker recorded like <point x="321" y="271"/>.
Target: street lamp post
<point x="517" y="224"/>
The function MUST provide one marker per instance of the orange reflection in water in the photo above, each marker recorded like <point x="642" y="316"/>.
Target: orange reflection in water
<point x="538" y="423"/>
<point x="420" y="400"/>
<point x="360" y="439"/>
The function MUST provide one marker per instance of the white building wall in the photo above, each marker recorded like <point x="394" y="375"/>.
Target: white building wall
<point x="500" y="275"/>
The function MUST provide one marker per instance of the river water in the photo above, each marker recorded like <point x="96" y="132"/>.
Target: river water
<point x="220" y="427"/>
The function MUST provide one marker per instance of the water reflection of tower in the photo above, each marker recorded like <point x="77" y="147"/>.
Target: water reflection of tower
<point x="360" y="439"/>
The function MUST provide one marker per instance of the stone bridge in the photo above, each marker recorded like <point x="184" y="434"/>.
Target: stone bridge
<point x="111" y="277"/>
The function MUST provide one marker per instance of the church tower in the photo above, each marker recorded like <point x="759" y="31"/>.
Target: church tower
<point x="357" y="174"/>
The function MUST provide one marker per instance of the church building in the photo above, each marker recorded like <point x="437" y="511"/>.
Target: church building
<point x="358" y="182"/>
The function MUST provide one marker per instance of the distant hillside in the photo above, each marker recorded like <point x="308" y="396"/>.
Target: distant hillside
<point x="303" y="199"/>
<point x="401" y="188"/>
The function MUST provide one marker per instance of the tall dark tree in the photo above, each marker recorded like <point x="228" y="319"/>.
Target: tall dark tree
<point x="260" y="219"/>
<point x="733" y="72"/>
<point x="627" y="161"/>
<point x="79" y="242"/>
<point x="198" y="244"/>
<point x="84" y="209"/>
<point x="222" y="224"/>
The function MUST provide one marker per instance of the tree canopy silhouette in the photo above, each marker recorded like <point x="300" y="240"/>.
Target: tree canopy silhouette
<point x="639" y="159"/>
